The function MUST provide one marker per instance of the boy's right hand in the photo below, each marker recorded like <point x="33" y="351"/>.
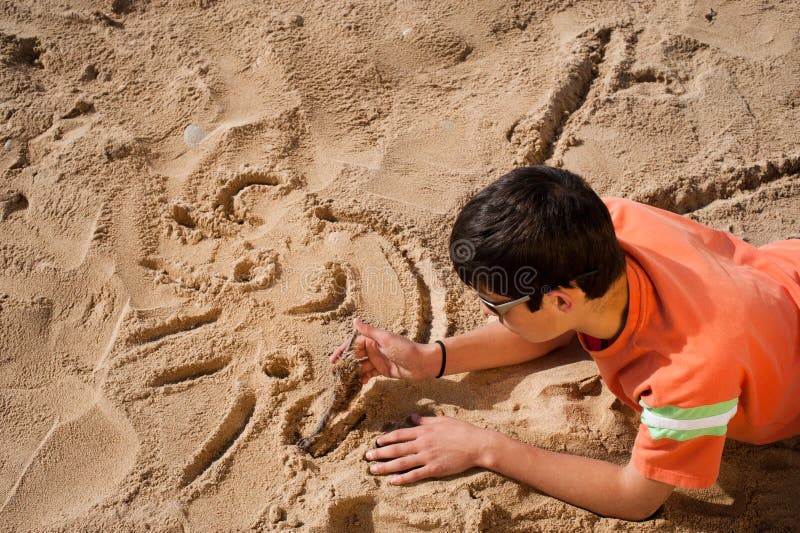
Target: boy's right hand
<point x="391" y="355"/>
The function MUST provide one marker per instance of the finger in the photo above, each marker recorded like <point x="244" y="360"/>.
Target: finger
<point x="369" y="349"/>
<point x="398" y="435"/>
<point x="338" y="352"/>
<point x="392" y="451"/>
<point x="398" y="465"/>
<point x="380" y="335"/>
<point x="424" y="420"/>
<point x="360" y="346"/>
<point x="410" y="477"/>
<point x="367" y="366"/>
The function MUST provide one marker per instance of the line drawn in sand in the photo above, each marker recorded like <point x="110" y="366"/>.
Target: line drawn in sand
<point x="536" y="134"/>
<point x="228" y="433"/>
<point x="175" y="325"/>
<point x="189" y="371"/>
<point x="24" y="470"/>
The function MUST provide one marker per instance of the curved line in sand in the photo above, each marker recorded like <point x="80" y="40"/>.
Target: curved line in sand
<point x="28" y="464"/>
<point x="221" y="443"/>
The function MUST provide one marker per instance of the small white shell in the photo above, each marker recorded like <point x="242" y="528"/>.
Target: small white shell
<point x="193" y="135"/>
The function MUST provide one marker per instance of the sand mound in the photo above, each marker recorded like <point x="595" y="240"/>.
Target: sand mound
<point x="169" y="296"/>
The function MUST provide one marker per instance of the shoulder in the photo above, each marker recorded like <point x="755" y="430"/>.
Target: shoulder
<point x="615" y="203"/>
<point x="623" y="210"/>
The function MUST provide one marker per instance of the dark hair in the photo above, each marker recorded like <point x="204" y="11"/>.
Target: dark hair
<point x="534" y="229"/>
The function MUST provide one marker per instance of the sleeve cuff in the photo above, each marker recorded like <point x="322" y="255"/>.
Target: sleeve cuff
<point x="671" y="477"/>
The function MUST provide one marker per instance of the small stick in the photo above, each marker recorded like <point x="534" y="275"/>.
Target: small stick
<point x="348" y="350"/>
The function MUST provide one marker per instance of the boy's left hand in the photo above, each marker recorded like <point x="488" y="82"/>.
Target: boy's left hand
<point x="437" y="446"/>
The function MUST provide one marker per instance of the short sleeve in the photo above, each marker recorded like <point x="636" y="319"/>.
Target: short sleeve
<point x="682" y="445"/>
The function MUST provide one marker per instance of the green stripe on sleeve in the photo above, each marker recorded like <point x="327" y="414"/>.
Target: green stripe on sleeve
<point x="691" y="413"/>
<point x="677" y="434"/>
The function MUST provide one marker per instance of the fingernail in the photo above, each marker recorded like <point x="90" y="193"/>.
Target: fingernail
<point x="394" y="479"/>
<point x="374" y="469"/>
<point x="370" y="455"/>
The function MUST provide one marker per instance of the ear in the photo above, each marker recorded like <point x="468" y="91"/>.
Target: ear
<point x="561" y="300"/>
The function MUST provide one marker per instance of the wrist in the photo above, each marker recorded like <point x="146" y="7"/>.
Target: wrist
<point x="431" y="356"/>
<point x="494" y="446"/>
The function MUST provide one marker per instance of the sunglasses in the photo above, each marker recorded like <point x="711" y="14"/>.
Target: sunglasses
<point x="503" y="308"/>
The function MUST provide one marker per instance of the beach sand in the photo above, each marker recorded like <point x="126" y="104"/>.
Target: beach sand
<point x="169" y="296"/>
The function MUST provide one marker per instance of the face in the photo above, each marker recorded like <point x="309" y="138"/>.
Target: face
<point x="551" y="320"/>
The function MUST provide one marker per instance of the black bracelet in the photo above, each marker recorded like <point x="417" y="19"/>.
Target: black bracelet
<point x="444" y="359"/>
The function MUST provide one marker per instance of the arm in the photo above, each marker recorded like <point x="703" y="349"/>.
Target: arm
<point x="490" y="346"/>
<point x="601" y="487"/>
<point x="441" y="446"/>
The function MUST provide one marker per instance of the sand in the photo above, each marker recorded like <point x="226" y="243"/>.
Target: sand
<point x="169" y="297"/>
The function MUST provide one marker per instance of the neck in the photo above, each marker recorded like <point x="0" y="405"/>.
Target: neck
<point x="606" y="319"/>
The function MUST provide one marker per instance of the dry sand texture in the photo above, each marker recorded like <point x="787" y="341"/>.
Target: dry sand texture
<point x="166" y="311"/>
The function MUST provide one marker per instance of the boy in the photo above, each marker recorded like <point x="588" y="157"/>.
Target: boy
<point x="692" y="327"/>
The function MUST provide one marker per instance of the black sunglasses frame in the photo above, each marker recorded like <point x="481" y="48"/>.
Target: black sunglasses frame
<point x="503" y="308"/>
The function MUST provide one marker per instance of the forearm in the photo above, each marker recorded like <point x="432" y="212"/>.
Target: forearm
<point x="599" y="486"/>
<point x="491" y="346"/>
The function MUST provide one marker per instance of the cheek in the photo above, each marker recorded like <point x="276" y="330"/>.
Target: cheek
<point x="533" y="327"/>
<point x="520" y="325"/>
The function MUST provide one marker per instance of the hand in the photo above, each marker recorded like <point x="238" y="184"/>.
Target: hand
<point x="438" y="446"/>
<point x="391" y="355"/>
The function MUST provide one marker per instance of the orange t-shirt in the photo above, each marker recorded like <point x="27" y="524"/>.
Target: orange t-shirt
<point x="711" y="345"/>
